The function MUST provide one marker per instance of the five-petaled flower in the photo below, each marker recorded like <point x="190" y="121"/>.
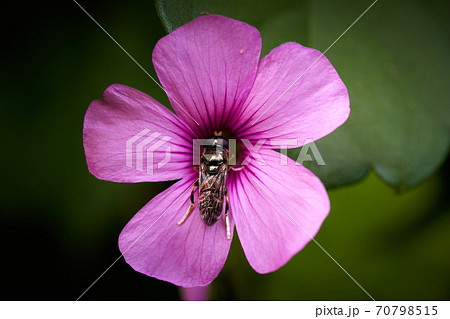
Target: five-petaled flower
<point x="211" y="71"/>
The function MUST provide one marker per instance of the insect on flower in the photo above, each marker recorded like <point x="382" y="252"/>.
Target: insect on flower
<point x="212" y="181"/>
<point x="221" y="92"/>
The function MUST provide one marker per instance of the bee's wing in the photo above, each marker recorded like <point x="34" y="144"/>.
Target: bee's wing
<point x="211" y="193"/>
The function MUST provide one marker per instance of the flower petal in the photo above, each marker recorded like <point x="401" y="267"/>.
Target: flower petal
<point x="130" y="137"/>
<point x="188" y="255"/>
<point x="267" y="202"/>
<point x="311" y="108"/>
<point x="195" y="293"/>
<point x="207" y="67"/>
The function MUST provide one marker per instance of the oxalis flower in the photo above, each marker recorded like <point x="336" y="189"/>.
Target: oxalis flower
<point x="211" y="71"/>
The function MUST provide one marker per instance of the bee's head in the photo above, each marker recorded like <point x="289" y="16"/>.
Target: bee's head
<point x="214" y="153"/>
<point x="216" y="142"/>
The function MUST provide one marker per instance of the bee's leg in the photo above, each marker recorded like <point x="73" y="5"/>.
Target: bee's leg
<point x="191" y="208"/>
<point x="232" y="167"/>
<point x="227" y="220"/>
<point x="219" y="133"/>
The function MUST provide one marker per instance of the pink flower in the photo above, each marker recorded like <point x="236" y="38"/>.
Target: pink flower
<point x="211" y="71"/>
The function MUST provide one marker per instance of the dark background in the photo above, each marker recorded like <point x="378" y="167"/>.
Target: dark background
<point x="59" y="225"/>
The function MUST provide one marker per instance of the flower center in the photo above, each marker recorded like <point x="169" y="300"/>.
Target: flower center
<point x="234" y="145"/>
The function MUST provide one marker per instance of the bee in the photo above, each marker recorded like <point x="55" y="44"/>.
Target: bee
<point x="211" y="182"/>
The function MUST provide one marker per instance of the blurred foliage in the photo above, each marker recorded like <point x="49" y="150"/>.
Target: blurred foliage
<point x="389" y="243"/>
<point x="394" y="62"/>
<point x="60" y="225"/>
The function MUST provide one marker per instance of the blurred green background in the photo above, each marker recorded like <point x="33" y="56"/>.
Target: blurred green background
<point x="60" y="225"/>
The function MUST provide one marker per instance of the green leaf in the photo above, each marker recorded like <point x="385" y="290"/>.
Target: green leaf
<point x="394" y="62"/>
<point x="267" y="16"/>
